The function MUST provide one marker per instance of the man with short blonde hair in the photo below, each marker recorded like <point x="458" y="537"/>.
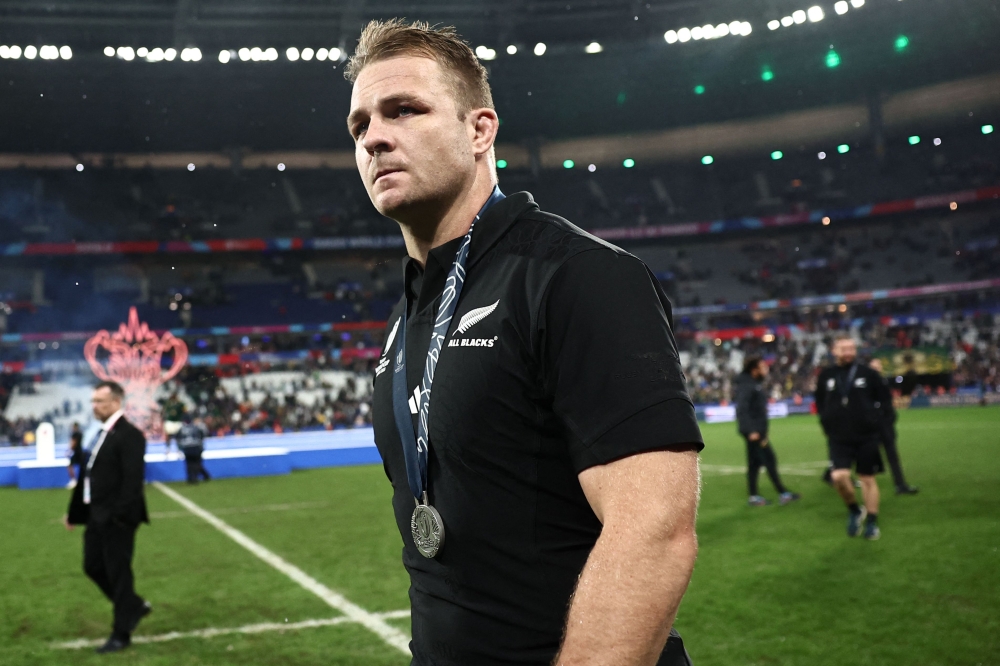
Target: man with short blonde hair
<point x="560" y="470"/>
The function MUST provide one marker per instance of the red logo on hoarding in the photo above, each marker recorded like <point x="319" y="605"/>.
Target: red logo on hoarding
<point x="134" y="357"/>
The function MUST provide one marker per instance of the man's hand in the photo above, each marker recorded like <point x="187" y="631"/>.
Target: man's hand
<point x="68" y="525"/>
<point x="754" y="436"/>
<point x="632" y="584"/>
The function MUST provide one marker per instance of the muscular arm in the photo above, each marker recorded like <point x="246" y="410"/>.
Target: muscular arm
<point x="632" y="584"/>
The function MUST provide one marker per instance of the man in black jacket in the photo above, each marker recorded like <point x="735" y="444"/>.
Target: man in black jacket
<point x="751" y="416"/>
<point x="109" y="500"/>
<point x="887" y="436"/>
<point x="849" y="399"/>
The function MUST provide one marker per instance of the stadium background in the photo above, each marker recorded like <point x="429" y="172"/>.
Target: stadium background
<point x="787" y="170"/>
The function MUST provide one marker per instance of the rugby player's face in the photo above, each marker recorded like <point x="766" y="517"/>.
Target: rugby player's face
<point x="845" y="351"/>
<point x="411" y="147"/>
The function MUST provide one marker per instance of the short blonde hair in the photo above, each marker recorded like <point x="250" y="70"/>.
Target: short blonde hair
<point x="381" y="40"/>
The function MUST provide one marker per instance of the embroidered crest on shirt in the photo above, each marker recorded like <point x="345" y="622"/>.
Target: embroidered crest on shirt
<point x="473" y="317"/>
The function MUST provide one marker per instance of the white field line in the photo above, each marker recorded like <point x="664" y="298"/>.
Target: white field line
<point x="293" y="506"/>
<point x="212" y="632"/>
<point x="370" y="621"/>
<point x="793" y="469"/>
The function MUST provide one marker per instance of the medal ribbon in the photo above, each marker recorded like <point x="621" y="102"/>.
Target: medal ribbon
<point x="415" y="445"/>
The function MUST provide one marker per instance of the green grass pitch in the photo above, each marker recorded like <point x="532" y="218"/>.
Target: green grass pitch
<point x="773" y="585"/>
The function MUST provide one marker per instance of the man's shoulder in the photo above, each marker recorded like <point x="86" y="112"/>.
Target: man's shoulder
<point x="126" y="430"/>
<point x="540" y="234"/>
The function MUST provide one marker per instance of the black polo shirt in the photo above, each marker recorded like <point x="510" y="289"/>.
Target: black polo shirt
<point x="559" y="357"/>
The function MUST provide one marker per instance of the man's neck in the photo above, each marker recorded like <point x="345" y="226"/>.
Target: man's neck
<point x="445" y="223"/>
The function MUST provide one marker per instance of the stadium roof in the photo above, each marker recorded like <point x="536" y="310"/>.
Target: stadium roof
<point x="607" y="67"/>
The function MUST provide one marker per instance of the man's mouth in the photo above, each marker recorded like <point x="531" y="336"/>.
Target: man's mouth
<point x="384" y="172"/>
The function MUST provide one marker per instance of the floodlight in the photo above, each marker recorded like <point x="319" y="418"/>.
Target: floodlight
<point x="308" y="53"/>
<point x="540" y="48"/>
<point x="707" y="159"/>
<point x="670" y="36"/>
<point x="292" y="53"/>
<point x="799" y="16"/>
<point x="511" y="49"/>
<point x="840" y="7"/>
<point x="773" y="25"/>
<point x="815" y="13"/>
<point x="594" y="47"/>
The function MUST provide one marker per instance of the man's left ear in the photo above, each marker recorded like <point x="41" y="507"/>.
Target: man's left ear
<point x="486" y="124"/>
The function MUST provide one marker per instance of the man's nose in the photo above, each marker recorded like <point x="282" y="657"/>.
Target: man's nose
<point x="377" y="137"/>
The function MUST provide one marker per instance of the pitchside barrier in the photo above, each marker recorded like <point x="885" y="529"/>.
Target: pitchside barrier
<point x="224" y="457"/>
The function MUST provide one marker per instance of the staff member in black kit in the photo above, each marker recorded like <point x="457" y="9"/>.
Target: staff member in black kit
<point x="849" y="399"/>
<point x="887" y="435"/>
<point x="546" y="490"/>
<point x="752" y="420"/>
<point x="109" y="500"/>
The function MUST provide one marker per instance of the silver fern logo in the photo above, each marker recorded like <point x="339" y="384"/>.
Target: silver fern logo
<point x="473" y="317"/>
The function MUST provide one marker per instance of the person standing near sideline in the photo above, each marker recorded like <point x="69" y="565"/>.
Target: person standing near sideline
<point x="887" y="435"/>
<point x="191" y="441"/>
<point x="109" y="499"/>
<point x="546" y="490"/>
<point x="752" y="421"/>
<point x="849" y="398"/>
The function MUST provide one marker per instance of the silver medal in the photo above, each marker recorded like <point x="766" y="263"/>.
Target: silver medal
<point x="427" y="528"/>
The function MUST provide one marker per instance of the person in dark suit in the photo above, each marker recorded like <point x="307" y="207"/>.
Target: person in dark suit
<point x="109" y="500"/>
<point x="887" y="436"/>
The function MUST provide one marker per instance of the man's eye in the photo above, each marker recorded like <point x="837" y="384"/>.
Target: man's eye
<point x="405" y="111"/>
<point x="361" y="129"/>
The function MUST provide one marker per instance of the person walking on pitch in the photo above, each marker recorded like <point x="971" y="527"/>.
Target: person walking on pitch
<point x="109" y="499"/>
<point x="849" y="398"/>
<point x="752" y="420"/>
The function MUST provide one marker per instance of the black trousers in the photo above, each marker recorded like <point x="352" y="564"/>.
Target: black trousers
<point x="762" y="456"/>
<point x="192" y="462"/>
<point x="888" y="439"/>
<point x="107" y="560"/>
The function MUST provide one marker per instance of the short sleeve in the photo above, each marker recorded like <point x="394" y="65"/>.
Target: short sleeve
<point x="610" y="362"/>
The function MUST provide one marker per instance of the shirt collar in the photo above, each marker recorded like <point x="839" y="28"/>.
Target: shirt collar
<point x="112" y="420"/>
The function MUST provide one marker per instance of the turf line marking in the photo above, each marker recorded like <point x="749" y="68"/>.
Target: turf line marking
<point x="791" y="469"/>
<point x="225" y="631"/>
<point x="377" y="625"/>
<point x="294" y="506"/>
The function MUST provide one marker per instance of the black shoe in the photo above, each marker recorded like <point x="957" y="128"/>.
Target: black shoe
<point x="146" y="609"/>
<point x="907" y="490"/>
<point x="113" y="644"/>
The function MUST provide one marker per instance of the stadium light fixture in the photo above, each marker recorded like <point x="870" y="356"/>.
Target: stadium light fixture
<point x="79" y="167"/>
<point x="832" y="59"/>
<point x="191" y="166"/>
<point x="841" y="7"/>
<point x="826" y="221"/>
<point x="65" y="52"/>
<point x="15" y="52"/>
<point x="774" y="24"/>
<point x="30" y="52"/>
<point x="540" y="48"/>
<point x="628" y="163"/>
<point x="281" y="166"/>
<point x="670" y="36"/>
<point x="707" y="159"/>
<point x="109" y="51"/>
<point x="799" y="16"/>
<point x="322" y="54"/>
<point x="511" y="49"/>
<point x="821" y="155"/>
<point x="697" y="32"/>
<point x="699" y="89"/>
<point x="307" y="53"/>
<point x="292" y="53"/>
<point x="777" y="155"/>
<point x="987" y="129"/>
<point x="501" y="164"/>
<point x="857" y="3"/>
<point x="815" y="14"/>
<point x="787" y="21"/>
<point x="568" y="164"/>
<point x="156" y="55"/>
<point x="256" y="54"/>
<point x="142" y="52"/>
<point x="270" y="54"/>
<point x="684" y="35"/>
<point x="169" y="55"/>
<point x="126" y="53"/>
<point x="937" y="141"/>
<point x="485" y="53"/>
<point x="4" y="51"/>
<point x="843" y="148"/>
<point x="592" y="168"/>
<point x="244" y="54"/>
<point x="913" y="140"/>
<point x="766" y="74"/>
<point x="224" y="57"/>
<point x="901" y="43"/>
<point x="593" y="47"/>
<point x="335" y="53"/>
